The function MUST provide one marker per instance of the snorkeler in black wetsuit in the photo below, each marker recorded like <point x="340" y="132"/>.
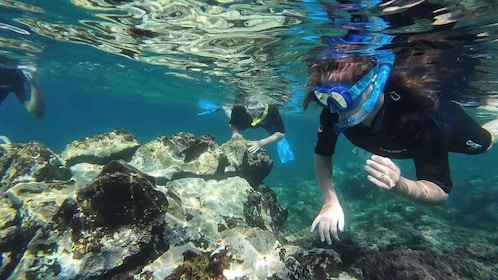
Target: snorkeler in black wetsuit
<point x="25" y="87"/>
<point x="390" y="119"/>
<point x="394" y="102"/>
<point x="408" y="128"/>
<point x="256" y="115"/>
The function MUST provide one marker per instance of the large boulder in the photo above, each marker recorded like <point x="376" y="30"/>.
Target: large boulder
<point x="101" y="149"/>
<point x="409" y="264"/>
<point x="185" y="155"/>
<point x="254" y="167"/>
<point x="180" y="155"/>
<point x="32" y="162"/>
<point x="114" y="224"/>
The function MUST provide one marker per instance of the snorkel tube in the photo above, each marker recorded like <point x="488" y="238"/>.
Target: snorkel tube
<point x="386" y="62"/>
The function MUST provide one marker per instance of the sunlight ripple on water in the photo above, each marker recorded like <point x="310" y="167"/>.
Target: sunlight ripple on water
<point x="260" y="47"/>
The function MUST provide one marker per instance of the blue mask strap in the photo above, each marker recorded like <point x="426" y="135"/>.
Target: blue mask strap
<point x="384" y="70"/>
<point x="361" y="86"/>
<point x="387" y="60"/>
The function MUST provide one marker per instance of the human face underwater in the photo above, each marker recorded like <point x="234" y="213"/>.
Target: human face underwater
<point x="355" y="103"/>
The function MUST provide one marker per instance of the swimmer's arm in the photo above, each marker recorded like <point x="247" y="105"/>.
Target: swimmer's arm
<point x="272" y="138"/>
<point x="421" y="191"/>
<point x="30" y="95"/>
<point x="323" y="170"/>
<point x="235" y="131"/>
<point x="36" y="104"/>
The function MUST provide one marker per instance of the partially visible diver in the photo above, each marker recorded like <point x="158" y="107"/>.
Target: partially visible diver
<point x="387" y="104"/>
<point x="255" y="114"/>
<point x="22" y="81"/>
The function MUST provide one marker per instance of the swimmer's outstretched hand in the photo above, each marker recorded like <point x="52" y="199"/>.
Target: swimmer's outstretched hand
<point x="254" y="146"/>
<point x="237" y="135"/>
<point x="384" y="173"/>
<point x="330" y="220"/>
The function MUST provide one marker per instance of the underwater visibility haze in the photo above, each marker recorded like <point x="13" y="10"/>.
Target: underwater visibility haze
<point x="125" y="83"/>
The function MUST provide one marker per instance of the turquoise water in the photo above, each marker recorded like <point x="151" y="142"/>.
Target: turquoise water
<point x="150" y="85"/>
<point x="91" y="91"/>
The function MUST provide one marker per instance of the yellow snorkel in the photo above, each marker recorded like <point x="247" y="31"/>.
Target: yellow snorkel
<point x="258" y="120"/>
<point x="257" y="110"/>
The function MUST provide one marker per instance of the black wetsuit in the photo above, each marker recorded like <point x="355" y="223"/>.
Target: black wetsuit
<point x="271" y="123"/>
<point x="14" y="80"/>
<point x="409" y="127"/>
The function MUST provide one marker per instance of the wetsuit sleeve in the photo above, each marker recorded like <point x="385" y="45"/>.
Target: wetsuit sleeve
<point x="464" y="134"/>
<point x="14" y="80"/>
<point x="240" y="118"/>
<point x="430" y="154"/>
<point x="326" y="136"/>
<point x="274" y="122"/>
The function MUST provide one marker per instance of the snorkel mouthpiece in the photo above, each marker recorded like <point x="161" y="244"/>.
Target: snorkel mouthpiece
<point x="258" y="112"/>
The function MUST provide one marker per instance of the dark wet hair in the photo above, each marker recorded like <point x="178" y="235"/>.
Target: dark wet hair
<point x="348" y="70"/>
<point x="427" y="65"/>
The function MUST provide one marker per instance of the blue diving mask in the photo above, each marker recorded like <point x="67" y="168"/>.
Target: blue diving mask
<point x="340" y="99"/>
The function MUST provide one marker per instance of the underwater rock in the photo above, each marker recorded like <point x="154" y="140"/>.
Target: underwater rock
<point x="255" y="254"/>
<point x="200" y="210"/>
<point x="84" y="173"/>
<point x="263" y="211"/>
<point x="120" y="195"/>
<point x="180" y="155"/>
<point x="171" y="260"/>
<point x="240" y="253"/>
<point x="113" y="225"/>
<point x="184" y="155"/>
<point x="34" y="162"/>
<point x="417" y="264"/>
<point x="41" y="199"/>
<point x="312" y="263"/>
<point x="254" y="167"/>
<point x="16" y="229"/>
<point x="101" y="149"/>
<point x="7" y="152"/>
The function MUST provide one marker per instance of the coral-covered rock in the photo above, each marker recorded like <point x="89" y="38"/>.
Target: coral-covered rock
<point x="113" y="225"/>
<point x="200" y="209"/>
<point x="180" y="155"/>
<point x="263" y="211"/>
<point x="240" y="253"/>
<point x="41" y="199"/>
<point x="16" y="230"/>
<point x="418" y="264"/>
<point x="101" y="149"/>
<point x="84" y="173"/>
<point x="34" y="162"/>
<point x="7" y="152"/>
<point x="120" y="195"/>
<point x="184" y="155"/>
<point x="254" y="167"/>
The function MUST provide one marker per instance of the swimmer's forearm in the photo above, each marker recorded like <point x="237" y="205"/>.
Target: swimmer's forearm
<point x="272" y="138"/>
<point x="234" y="129"/>
<point x="323" y="169"/>
<point x="421" y="191"/>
